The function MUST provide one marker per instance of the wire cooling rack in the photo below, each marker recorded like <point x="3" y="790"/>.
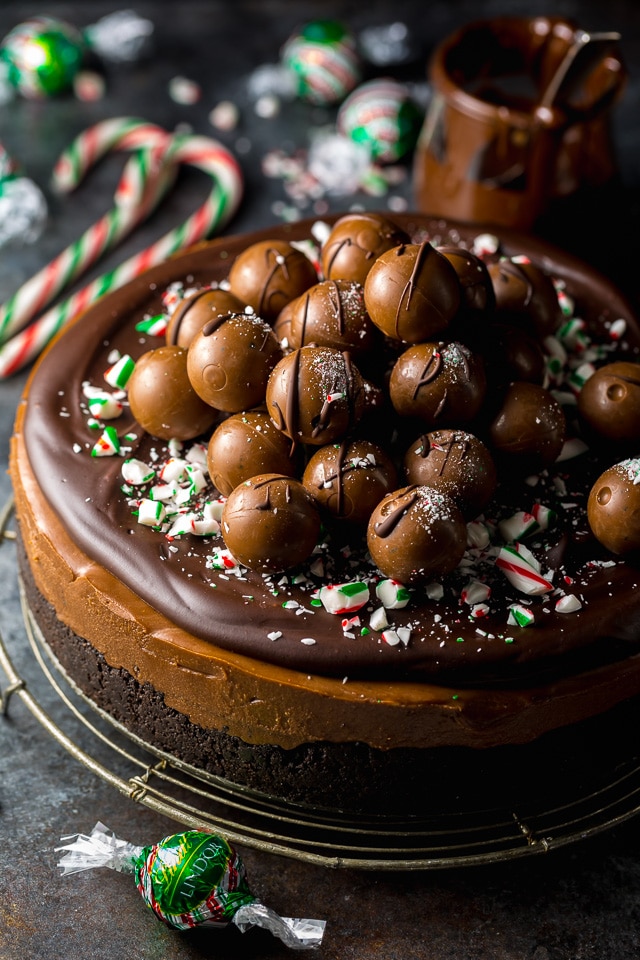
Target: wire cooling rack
<point x="205" y="802"/>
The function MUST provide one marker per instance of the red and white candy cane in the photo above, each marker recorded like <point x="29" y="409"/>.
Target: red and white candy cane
<point x="201" y="152"/>
<point x="145" y="179"/>
<point x="90" y="146"/>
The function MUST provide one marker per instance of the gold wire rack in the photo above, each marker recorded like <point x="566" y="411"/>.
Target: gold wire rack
<point x="202" y="801"/>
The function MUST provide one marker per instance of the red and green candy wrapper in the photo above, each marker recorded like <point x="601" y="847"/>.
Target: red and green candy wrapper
<point x="43" y="56"/>
<point x="188" y="879"/>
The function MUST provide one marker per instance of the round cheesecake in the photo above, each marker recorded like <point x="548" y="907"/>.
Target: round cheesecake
<point x="331" y="682"/>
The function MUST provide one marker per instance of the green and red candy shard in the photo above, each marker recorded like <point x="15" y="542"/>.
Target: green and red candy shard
<point x="188" y="879"/>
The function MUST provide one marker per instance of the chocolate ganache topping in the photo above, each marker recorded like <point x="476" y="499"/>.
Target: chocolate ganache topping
<point x="530" y="549"/>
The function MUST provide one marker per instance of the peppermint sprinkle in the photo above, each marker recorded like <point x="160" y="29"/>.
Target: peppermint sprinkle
<point x="136" y="472"/>
<point x="118" y="374"/>
<point x="568" y="604"/>
<point x="153" y="326"/>
<point x="107" y="445"/>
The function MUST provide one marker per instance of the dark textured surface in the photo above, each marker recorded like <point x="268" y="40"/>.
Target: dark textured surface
<point x="580" y="903"/>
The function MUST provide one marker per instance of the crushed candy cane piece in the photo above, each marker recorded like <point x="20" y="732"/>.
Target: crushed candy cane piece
<point x="568" y="604"/>
<point x="521" y="524"/>
<point x="391" y="637"/>
<point x="378" y="620"/>
<point x="117" y="375"/>
<point x="485" y="244"/>
<point x="434" y="591"/>
<point x="573" y="447"/>
<point x="164" y="491"/>
<point x="618" y="329"/>
<point x="515" y="563"/>
<point x="151" y="513"/>
<point x="206" y="527"/>
<point x="479" y="610"/>
<point x="579" y="376"/>
<point x="194" y="478"/>
<point x="572" y="334"/>
<point x="475" y="592"/>
<point x="392" y="594"/>
<point x="181" y="526"/>
<point x="173" y="469"/>
<point x="520" y="616"/>
<point x="545" y="516"/>
<point x="136" y="472"/>
<point x="104" y="405"/>
<point x="478" y="535"/>
<point x="341" y="598"/>
<point x="107" y="445"/>
<point x="222" y="559"/>
<point x="566" y="302"/>
<point x="153" y="326"/>
<point x="212" y="509"/>
<point x="197" y="453"/>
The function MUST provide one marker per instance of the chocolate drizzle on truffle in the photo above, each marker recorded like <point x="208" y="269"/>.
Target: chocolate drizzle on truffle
<point x="181" y="312"/>
<point x="384" y="528"/>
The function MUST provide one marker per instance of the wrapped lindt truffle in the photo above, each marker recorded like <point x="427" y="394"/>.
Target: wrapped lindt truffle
<point x="44" y="56"/>
<point x="381" y="115"/>
<point x="23" y="207"/>
<point x="322" y="59"/>
<point x="188" y="879"/>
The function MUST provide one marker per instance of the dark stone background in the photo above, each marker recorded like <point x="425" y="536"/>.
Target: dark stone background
<point x="578" y="903"/>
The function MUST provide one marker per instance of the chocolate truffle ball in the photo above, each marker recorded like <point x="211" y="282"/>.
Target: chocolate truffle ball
<point x="244" y="445"/>
<point x="315" y="395"/>
<point x="268" y="274"/>
<point x="412" y="292"/>
<point x="162" y="399"/>
<point x="354" y="244"/>
<point x="475" y="283"/>
<point x="332" y="314"/>
<point x="455" y="463"/>
<point x="609" y="402"/>
<point x="230" y="359"/>
<point x="441" y="383"/>
<point x="349" y="479"/>
<point x="270" y="523"/>
<point x="525" y="294"/>
<point x="416" y="533"/>
<point x="192" y="313"/>
<point x="529" y="427"/>
<point x="613" y="508"/>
